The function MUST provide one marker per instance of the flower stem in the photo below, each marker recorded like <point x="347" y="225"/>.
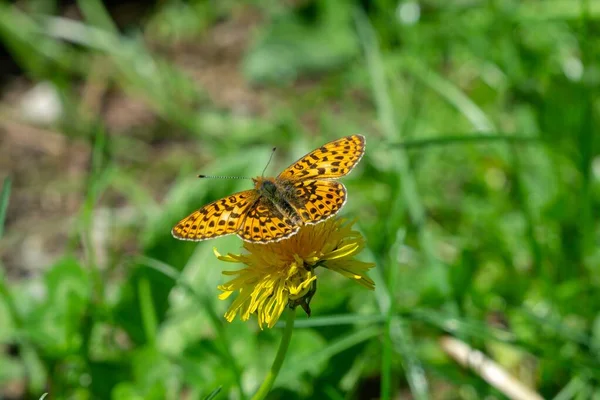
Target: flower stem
<point x="281" y="352"/>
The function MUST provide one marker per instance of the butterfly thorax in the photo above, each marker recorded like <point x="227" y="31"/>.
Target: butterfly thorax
<point x="265" y="186"/>
<point x="278" y="196"/>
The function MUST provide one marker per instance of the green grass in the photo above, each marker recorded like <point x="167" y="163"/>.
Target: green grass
<point x="478" y="197"/>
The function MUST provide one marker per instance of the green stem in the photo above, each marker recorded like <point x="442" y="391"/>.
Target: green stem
<point x="147" y="309"/>
<point x="283" y="346"/>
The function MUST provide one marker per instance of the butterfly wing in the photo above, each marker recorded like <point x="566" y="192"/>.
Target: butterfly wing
<point x="265" y="223"/>
<point x="317" y="200"/>
<point x="332" y="160"/>
<point x="219" y="218"/>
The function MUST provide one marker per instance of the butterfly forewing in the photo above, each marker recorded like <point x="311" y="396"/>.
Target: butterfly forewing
<point x="332" y="160"/>
<point x="222" y="217"/>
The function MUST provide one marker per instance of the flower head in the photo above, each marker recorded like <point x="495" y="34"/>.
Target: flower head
<point x="282" y="274"/>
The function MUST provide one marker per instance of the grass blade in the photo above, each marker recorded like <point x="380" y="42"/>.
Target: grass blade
<point x="95" y="12"/>
<point x="416" y="211"/>
<point x="452" y="94"/>
<point x="335" y="347"/>
<point x="418" y="144"/>
<point x="4" y="196"/>
<point x="213" y="394"/>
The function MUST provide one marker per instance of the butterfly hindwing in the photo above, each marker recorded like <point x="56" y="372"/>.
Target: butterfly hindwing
<point x="222" y="217"/>
<point x="317" y="200"/>
<point x="264" y="223"/>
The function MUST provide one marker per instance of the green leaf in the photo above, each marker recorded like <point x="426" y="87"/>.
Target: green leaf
<point x="56" y="324"/>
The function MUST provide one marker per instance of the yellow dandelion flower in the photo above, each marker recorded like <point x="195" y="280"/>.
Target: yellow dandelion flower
<point x="282" y="274"/>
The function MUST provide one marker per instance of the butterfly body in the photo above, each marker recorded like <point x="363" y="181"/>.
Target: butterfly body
<point x="281" y="197"/>
<point x="304" y="193"/>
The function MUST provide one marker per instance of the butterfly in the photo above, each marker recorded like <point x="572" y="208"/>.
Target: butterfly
<point x="304" y="193"/>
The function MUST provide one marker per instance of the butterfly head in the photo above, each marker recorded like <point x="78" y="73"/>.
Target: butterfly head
<point x="265" y="186"/>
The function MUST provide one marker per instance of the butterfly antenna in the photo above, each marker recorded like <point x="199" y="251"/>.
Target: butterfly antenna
<point x="269" y="162"/>
<point x="222" y="177"/>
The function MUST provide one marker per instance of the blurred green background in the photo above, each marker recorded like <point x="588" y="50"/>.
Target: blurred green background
<point x="478" y="195"/>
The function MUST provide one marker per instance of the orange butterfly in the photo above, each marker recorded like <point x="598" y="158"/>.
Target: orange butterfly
<point x="304" y="193"/>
